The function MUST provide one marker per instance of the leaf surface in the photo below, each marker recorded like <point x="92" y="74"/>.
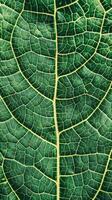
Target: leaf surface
<point x="56" y="100"/>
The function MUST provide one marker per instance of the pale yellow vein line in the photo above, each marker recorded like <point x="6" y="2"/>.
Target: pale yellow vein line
<point x="4" y="5"/>
<point x="102" y="181"/>
<point x="109" y="10"/>
<point x="17" y="60"/>
<point x="40" y="13"/>
<point x="25" y="126"/>
<point x="67" y="5"/>
<point x="80" y="173"/>
<point x="71" y="98"/>
<point x="79" y="155"/>
<point x="54" y="105"/>
<point x="107" y="192"/>
<point x="101" y="5"/>
<point x="92" y="112"/>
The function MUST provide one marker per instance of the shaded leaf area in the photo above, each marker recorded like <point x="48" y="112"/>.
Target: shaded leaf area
<point x="80" y="46"/>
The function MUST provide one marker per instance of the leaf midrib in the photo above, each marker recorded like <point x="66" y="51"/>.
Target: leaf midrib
<point x="54" y="105"/>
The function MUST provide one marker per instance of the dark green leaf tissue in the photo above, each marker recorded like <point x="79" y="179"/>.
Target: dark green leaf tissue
<point x="56" y="100"/>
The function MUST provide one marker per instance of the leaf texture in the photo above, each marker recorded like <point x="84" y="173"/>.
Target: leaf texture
<point x="56" y="100"/>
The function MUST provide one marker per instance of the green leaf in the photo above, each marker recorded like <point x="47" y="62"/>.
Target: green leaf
<point x="56" y="100"/>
